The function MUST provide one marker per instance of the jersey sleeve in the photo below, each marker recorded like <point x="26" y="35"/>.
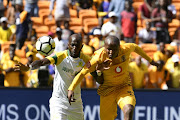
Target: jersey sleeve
<point x="140" y="51"/>
<point x="89" y="67"/>
<point x="57" y="58"/>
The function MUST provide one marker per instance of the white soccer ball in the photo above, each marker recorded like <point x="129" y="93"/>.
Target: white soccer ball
<point x="45" y="45"/>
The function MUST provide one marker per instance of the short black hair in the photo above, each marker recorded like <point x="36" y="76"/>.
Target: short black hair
<point x="112" y="39"/>
<point x="76" y="35"/>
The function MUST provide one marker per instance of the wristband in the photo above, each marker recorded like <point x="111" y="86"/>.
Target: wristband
<point x="98" y="72"/>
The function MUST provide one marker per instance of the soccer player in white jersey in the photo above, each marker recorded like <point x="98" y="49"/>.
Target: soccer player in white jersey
<point x="67" y="64"/>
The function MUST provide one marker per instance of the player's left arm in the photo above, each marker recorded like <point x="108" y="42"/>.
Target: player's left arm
<point x="89" y="67"/>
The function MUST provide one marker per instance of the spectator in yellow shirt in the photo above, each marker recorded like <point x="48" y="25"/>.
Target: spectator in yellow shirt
<point x="174" y="70"/>
<point x="161" y="53"/>
<point x="139" y="73"/>
<point x="88" y="81"/>
<point x="159" y="76"/>
<point x="5" y="31"/>
<point x="87" y="49"/>
<point x="31" y="79"/>
<point x="32" y="47"/>
<point x="12" y="78"/>
<point x="170" y="50"/>
<point x="95" y="41"/>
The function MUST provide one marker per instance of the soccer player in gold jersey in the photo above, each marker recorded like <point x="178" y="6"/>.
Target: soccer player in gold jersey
<point x="111" y="63"/>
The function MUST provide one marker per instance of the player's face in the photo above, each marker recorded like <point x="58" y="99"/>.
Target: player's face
<point x="75" y="47"/>
<point x="112" y="50"/>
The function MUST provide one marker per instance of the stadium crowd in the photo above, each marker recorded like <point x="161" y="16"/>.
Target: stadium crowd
<point x="152" y="24"/>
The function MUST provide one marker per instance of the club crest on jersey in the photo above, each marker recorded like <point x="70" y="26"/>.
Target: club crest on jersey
<point x="118" y="69"/>
<point x="123" y="58"/>
<point x="80" y="64"/>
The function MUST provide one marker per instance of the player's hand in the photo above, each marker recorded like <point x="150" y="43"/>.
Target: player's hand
<point x="71" y="96"/>
<point x="154" y="63"/>
<point x="20" y="67"/>
<point x="104" y="65"/>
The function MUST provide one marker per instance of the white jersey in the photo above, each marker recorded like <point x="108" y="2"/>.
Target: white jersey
<point x="65" y="70"/>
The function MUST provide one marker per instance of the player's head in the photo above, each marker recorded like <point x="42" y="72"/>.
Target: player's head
<point x="112" y="44"/>
<point x="12" y="49"/>
<point x="75" y="45"/>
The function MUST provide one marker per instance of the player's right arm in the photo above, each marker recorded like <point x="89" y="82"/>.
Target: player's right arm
<point x="56" y="59"/>
<point x="34" y="65"/>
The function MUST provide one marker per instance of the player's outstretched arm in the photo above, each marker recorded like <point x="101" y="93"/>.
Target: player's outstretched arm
<point x="34" y="65"/>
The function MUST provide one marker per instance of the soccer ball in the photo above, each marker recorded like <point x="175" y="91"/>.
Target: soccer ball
<point x="45" y="45"/>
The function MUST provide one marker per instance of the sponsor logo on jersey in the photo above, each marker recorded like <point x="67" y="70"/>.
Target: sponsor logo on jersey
<point x="118" y="69"/>
<point x="68" y="70"/>
<point x="80" y="64"/>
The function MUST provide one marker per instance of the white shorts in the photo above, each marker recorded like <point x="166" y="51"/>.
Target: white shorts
<point x="59" y="111"/>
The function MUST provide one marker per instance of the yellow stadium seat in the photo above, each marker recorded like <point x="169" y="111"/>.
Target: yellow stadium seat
<point x="37" y="20"/>
<point x="73" y="13"/>
<point x="49" y="22"/>
<point x="53" y="29"/>
<point x="76" y="29"/>
<point x="90" y="20"/>
<point x="24" y="60"/>
<point x="21" y="53"/>
<point x="83" y="14"/>
<point x="89" y="26"/>
<point x="42" y="29"/>
<point x="75" y="22"/>
<point x="149" y="47"/>
<point x="43" y="4"/>
<point x="41" y="34"/>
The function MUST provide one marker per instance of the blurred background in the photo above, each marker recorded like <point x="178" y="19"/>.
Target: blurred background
<point x="154" y="25"/>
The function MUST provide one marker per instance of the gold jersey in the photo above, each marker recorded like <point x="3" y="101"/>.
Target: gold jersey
<point x="117" y="76"/>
